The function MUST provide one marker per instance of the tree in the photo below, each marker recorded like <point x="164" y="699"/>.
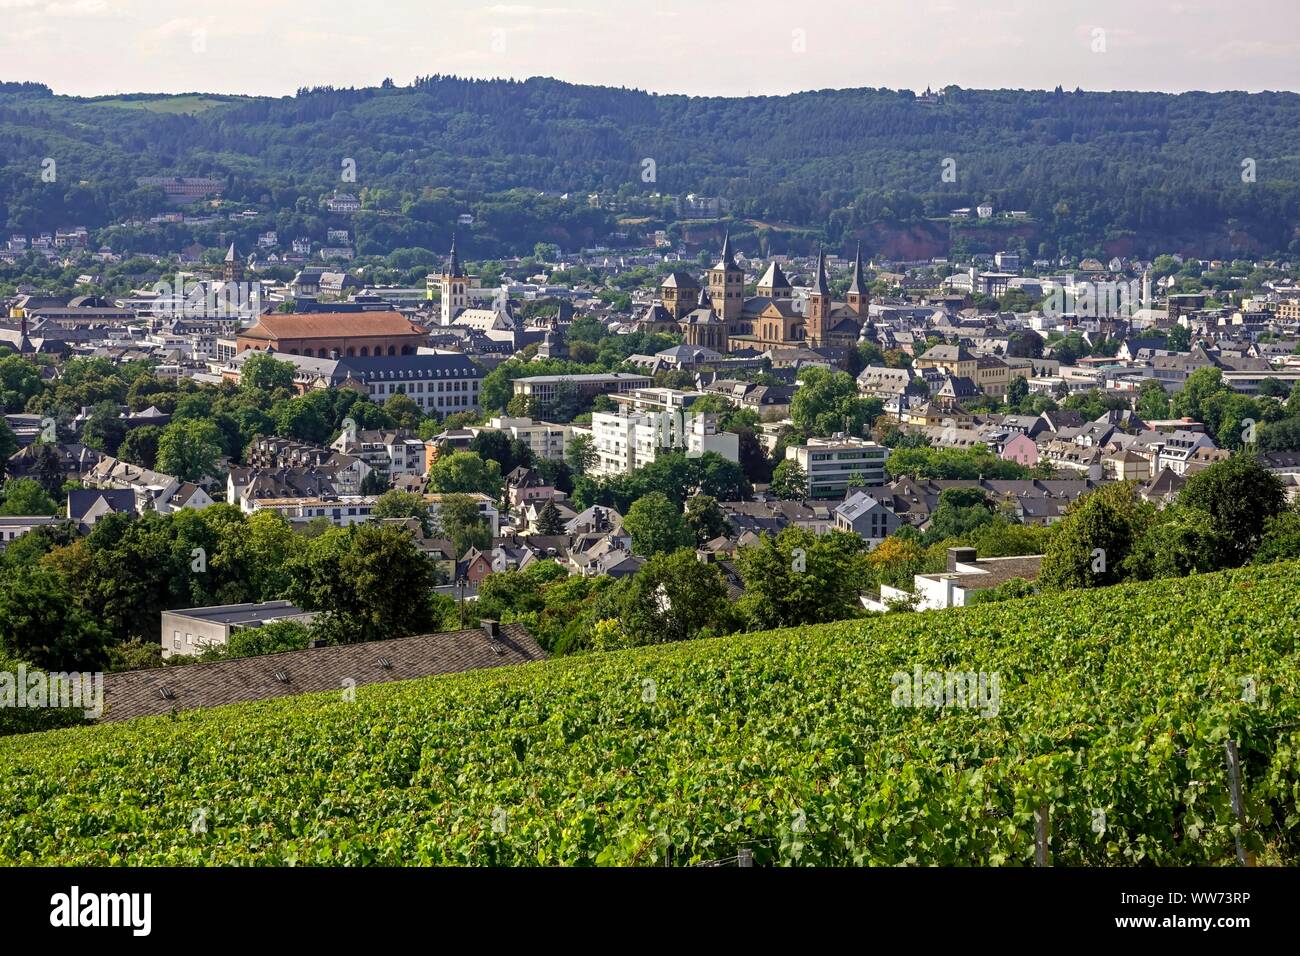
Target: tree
<point x="104" y="429"/>
<point x="896" y="561"/>
<point x="673" y="597"/>
<point x="465" y="472"/>
<point x="25" y="496"/>
<point x="1181" y="541"/>
<point x="47" y="467"/>
<point x="404" y="504"/>
<point x="1281" y="540"/>
<point x="301" y="418"/>
<point x="548" y="519"/>
<point x="509" y="453"/>
<point x="370" y="582"/>
<point x="952" y="463"/>
<point x="656" y="526"/>
<point x="404" y="411"/>
<point x="1281" y="435"/>
<point x="140" y="446"/>
<point x="20" y="380"/>
<point x="41" y="622"/>
<point x="789" y="481"/>
<point x="190" y="450"/>
<point x="1192" y="399"/>
<point x="799" y="577"/>
<point x="270" y="638"/>
<point x="1095" y="537"/>
<point x="827" y="402"/>
<point x="8" y="445"/>
<point x="1153" y="401"/>
<point x="705" y="519"/>
<point x="459" y="520"/>
<point x="265" y="373"/>
<point x="959" y="512"/>
<point x="374" y="483"/>
<point x="1018" y="391"/>
<point x="721" y="478"/>
<point x="581" y="454"/>
<point x="1178" y="339"/>
<point x="1240" y="496"/>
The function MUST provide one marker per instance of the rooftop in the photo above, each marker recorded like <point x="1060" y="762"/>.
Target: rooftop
<point x="161" y="690"/>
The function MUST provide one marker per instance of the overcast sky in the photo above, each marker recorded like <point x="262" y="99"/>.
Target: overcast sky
<point x="711" y="47"/>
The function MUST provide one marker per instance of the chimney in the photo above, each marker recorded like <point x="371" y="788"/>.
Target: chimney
<point x="958" y="556"/>
<point x="491" y="628"/>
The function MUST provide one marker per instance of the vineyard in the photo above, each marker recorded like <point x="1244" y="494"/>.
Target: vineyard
<point x="1109" y="707"/>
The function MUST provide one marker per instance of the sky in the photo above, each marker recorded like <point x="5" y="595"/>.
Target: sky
<point x="701" y="47"/>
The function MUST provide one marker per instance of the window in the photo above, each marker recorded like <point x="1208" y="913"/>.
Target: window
<point x="176" y="640"/>
<point x="189" y="638"/>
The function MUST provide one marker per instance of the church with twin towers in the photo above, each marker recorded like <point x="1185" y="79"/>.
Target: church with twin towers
<point x="719" y="315"/>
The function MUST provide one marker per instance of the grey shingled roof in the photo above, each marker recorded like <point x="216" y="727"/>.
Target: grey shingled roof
<point x="131" y="694"/>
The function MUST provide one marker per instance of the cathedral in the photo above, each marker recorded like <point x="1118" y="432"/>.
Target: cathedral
<point x="721" y="317"/>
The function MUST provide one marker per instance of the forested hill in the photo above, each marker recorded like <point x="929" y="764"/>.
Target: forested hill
<point x="1143" y="169"/>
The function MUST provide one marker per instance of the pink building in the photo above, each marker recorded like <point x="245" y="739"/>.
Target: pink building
<point x="1022" y="450"/>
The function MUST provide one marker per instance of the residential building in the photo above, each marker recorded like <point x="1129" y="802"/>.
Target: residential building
<point x="13" y="527"/>
<point x="392" y="452"/>
<point x="631" y="440"/>
<point x="867" y="517"/>
<point x="966" y="574"/>
<point x="192" y="631"/>
<point x="543" y="390"/>
<point x="544" y="439"/>
<point x="829" y="463"/>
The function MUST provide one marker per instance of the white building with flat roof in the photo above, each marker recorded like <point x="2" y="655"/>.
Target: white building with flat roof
<point x="626" y="442"/>
<point x="544" y="439"/>
<point x="830" y="463"/>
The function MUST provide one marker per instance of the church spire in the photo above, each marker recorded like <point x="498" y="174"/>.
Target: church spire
<point x="857" y="283"/>
<point x="453" y="267"/>
<point x="858" y="296"/>
<point x="820" y="286"/>
<point x="728" y="257"/>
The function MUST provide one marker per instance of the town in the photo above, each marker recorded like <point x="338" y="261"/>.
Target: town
<point x="523" y="436"/>
<point x="946" y="415"/>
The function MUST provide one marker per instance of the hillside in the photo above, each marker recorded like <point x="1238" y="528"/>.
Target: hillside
<point x="1132" y="172"/>
<point x="1113" y="708"/>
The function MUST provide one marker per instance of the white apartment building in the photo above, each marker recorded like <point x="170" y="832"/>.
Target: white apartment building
<point x="829" y="463"/>
<point x="630" y="441"/>
<point x="392" y="452"/>
<point x="345" y="510"/>
<point x="544" y="439"/>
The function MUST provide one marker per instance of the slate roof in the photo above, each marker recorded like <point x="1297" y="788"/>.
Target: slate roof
<point x="679" y="280"/>
<point x="81" y="500"/>
<point x="129" y="694"/>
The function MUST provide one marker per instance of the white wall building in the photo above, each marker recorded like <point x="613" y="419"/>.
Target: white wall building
<point x="627" y="442"/>
<point x="544" y="439"/>
<point x="829" y="463"/>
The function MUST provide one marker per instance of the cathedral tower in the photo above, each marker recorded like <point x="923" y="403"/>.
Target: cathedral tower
<point x="454" y="287"/>
<point x="727" y="286"/>
<point x="232" y="270"/>
<point x="819" y="302"/>
<point x="858" y="296"/>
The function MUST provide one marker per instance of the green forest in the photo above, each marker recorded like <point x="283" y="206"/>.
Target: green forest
<point x="1135" y="172"/>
